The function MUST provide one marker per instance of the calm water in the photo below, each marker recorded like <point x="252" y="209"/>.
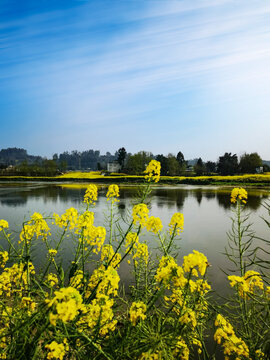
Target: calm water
<point x="206" y="212"/>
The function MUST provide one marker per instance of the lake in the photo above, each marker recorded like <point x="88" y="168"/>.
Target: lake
<point x="206" y="210"/>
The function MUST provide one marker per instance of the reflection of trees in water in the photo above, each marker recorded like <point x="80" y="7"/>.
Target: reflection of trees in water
<point x="161" y="196"/>
<point x="20" y="196"/>
<point x="223" y="200"/>
<point x="209" y="195"/>
<point x="170" y="197"/>
<point x="253" y="203"/>
<point x="121" y="209"/>
<point x="13" y="201"/>
<point x="199" y="195"/>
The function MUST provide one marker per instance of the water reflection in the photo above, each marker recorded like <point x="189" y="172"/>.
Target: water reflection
<point x="206" y="212"/>
<point x="19" y="194"/>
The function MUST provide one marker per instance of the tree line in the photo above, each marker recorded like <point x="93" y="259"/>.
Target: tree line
<point x="17" y="161"/>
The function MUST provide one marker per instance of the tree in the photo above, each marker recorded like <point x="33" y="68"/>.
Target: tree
<point x="121" y="156"/>
<point x="249" y="162"/>
<point x="210" y="167"/>
<point x="228" y="164"/>
<point x="199" y="167"/>
<point x="173" y="165"/>
<point x="181" y="160"/>
<point x="136" y="163"/>
<point x="164" y="164"/>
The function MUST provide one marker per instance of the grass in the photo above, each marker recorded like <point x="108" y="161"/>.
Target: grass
<point x="97" y="176"/>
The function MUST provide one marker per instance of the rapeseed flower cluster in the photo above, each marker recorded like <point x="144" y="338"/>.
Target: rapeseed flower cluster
<point x="189" y="318"/>
<point x="239" y="193"/>
<point x="3" y="258"/>
<point x="113" y="193"/>
<point x="232" y="345"/>
<point x="76" y="281"/>
<point x="245" y="284"/>
<point x="137" y="312"/>
<point x="181" y="350"/>
<point x="5" y="338"/>
<point x="28" y="304"/>
<point x="85" y="221"/>
<point x="176" y="223"/>
<point x="57" y="351"/>
<point x="109" y="256"/>
<point x="151" y="356"/>
<point x="166" y="269"/>
<point x="154" y="224"/>
<point x="139" y="250"/>
<point x="91" y="195"/>
<point x="37" y="226"/>
<point x="68" y="219"/>
<point x="98" y="315"/>
<point x="140" y="214"/>
<point x="52" y="253"/>
<point x="14" y="280"/>
<point x="153" y="171"/>
<point x="141" y="253"/>
<point x="65" y="305"/>
<point x="3" y="225"/>
<point x="104" y="281"/>
<point x="196" y="259"/>
<point x="52" y="280"/>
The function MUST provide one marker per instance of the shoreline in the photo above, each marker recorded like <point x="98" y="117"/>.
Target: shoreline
<point x="252" y="180"/>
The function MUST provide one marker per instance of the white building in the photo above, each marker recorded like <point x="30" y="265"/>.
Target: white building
<point x="113" y="166"/>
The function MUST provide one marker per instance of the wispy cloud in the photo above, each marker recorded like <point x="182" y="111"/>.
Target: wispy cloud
<point x="87" y="67"/>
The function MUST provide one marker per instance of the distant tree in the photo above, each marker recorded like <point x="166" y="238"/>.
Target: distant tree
<point x="181" y="160"/>
<point x="199" y="167"/>
<point x="136" y="163"/>
<point x="121" y="156"/>
<point x="164" y="164"/>
<point x="227" y="164"/>
<point x="210" y="167"/>
<point x="173" y="165"/>
<point x="63" y="166"/>
<point x="249" y="162"/>
<point x="55" y="157"/>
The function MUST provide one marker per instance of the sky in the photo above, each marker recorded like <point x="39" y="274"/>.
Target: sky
<point x="155" y="75"/>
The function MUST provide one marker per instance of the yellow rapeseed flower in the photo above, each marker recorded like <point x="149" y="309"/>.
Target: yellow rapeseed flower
<point x="113" y="193"/>
<point x="99" y="314"/>
<point x="65" y="305"/>
<point x="91" y="194"/>
<point x="57" y="351"/>
<point x="68" y="219"/>
<point x="166" y="269"/>
<point x="52" y="280"/>
<point x="189" y="318"/>
<point x="104" y="281"/>
<point x="3" y="225"/>
<point x="52" y="252"/>
<point x="239" y="193"/>
<point x="36" y="226"/>
<point x="140" y="214"/>
<point x="108" y="255"/>
<point x="153" y="171"/>
<point x="154" y="224"/>
<point x="177" y="223"/>
<point x="246" y="283"/>
<point x="137" y="311"/>
<point x="3" y="258"/>
<point x="181" y="350"/>
<point x="232" y="345"/>
<point x="196" y="259"/>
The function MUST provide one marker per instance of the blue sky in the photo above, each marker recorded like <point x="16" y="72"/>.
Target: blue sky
<point x="156" y="75"/>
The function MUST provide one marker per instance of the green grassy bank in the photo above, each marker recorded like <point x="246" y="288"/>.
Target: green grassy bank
<point x="247" y="179"/>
